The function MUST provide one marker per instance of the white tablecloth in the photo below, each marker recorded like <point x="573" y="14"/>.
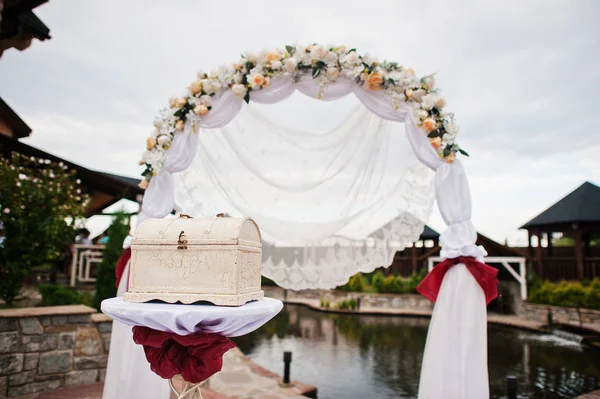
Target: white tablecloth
<point x="189" y="319"/>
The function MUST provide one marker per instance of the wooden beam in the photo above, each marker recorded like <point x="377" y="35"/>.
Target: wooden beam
<point x="529" y="236"/>
<point x="549" y="238"/>
<point x="579" y="253"/>
<point x="539" y="255"/>
<point x="413" y="258"/>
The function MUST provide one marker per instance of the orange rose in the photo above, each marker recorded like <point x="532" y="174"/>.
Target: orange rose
<point x="409" y="93"/>
<point x="258" y="79"/>
<point x="267" y="82"/>
<point x="196" y="87"/>
<point x="451" y="157"/>
<point x="179" y="125"/>
<point x="429" y="124"/>
<point x="436" y="142"/>
<point x="150" y="143"/>
<point x="143" y="184"/>
<point x="201" y="110"/>
<point x="375" y="80"/>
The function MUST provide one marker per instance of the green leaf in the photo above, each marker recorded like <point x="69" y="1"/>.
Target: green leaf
<point x="434" y="133"/>
<point x="447" y="151"/>
<point x="316" y="72"/>
<point x="291" y="50"/>
<point x="351" y="50"/>
<point x="247" y="97"/>
<point x="463" y="152"/>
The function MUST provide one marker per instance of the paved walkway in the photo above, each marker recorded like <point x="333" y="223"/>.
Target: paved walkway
<point x="240" y="378"/>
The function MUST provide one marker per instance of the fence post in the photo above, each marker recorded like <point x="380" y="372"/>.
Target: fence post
<point x="512" y="386"/>
<point x="287" y="359"/>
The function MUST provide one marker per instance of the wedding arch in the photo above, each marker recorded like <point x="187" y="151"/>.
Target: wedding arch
<point x="209" y="150"/>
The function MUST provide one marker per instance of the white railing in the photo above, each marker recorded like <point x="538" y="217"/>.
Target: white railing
<point x="504" y="261"/>
<point x="84" y="257"/>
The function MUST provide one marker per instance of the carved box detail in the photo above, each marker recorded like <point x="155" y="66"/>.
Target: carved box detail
<point x="187" y="260"/>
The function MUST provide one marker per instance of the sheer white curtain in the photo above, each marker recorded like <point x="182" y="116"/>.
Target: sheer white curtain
<point x="455" y="360"/>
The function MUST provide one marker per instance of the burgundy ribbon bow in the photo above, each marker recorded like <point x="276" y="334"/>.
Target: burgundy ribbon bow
<point x="196" y="357"/>
<point x="485" y="275"/>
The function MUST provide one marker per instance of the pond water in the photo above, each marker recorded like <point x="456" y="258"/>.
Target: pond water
<point x="349" y="356"/>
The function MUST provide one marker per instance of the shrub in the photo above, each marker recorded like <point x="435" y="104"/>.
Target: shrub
<point x="105" y="277"/>
<point x="356" y="283"/>
<point x="40" y="204"/>
<point x="352" y="304"/>
<point x="571" y="294"/>
<point x="378" y="281"/>
<point x="55" y="295"/>
<point x="393" y="285"/>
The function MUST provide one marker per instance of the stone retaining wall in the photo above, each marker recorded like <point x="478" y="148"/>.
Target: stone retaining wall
<point x="560" y="314"/>
<point x="367" y="300"/>
<point x="47" y="348"/>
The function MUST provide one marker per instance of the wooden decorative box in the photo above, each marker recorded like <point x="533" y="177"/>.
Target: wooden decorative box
<point x="216" y="259"/>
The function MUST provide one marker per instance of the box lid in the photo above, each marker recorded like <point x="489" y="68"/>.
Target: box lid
<point x="186" y="230"/>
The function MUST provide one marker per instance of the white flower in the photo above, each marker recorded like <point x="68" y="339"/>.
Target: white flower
<point x="239" y="90"/>
<point x="319" y="53"/>
<point x="22" y="176"/>
<point x="251" y="57"/>
<point x="150" y="157"/>
<point x="238" y="78"/>
<point x="276" y="65"/>
<point x="155" y="133"/>
<point x="351" y="59"/>
<point x="173" y="101"/>
<point x="158" y="123"/>
<point x="440" y="102"/>
<point x="340" y="50"/>
<point x="370" y="60"/>
<point x="164" y="141"/>
<point x="452" y="129"/>
<point x="331" y="58"/>
<point x="256" y="79"/>
<point x="429" y="82"/>
<point x="428" y="101"/>
<point x="206" y="100"/>
<point x="211" y="86"/>
<point x="6" y="211"/>
<point x="422" y="114"/>
<point x="290" y="64"/>
<point x="333" y="73"/>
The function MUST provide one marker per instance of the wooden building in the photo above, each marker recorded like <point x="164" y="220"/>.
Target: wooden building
<point x="19" y="26"/>
<point x="575" y="216"/>
<point x="104" y="188"/>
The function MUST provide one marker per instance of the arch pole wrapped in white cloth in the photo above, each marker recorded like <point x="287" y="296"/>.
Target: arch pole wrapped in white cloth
<point x="455" y="359"/>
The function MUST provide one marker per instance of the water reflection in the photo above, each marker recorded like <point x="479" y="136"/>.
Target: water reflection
<point x="380" y="357"/>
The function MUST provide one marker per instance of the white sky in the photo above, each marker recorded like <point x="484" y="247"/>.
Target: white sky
<point x="523" y="78"/>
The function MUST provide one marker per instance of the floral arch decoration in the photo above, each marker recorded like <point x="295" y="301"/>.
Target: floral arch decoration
<point x="461" y="286"/>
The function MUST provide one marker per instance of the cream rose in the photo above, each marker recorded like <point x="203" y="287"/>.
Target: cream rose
<point x="179" y="125"/>
<point x="451" y="157"/>
<point x="267" y="82"/>
<point x="238" y="78"/>
<point x="143" y="184"/>
<point x="429" y="125"/>
<point x="429" y="82"/>
<point x="251" y="57"/>
<point x="452" y="129"/>
<point x="422" y="114"/>
<point x="428" y="101"/>
<point x="436" y="142"/>
<point x="333" y="73"/>
<point x="180" y="103"/>
<point x="164" y="140"/>
<point x="206" y="100"/>
<point x="419" y="94"/>
<point x="256" y="80"/>
<point x="440" y="103"/>
<point x="272" y="56"/>
<point x="290" y="64"/>
<point x="196" y="87"/>
<point x="331" y="58"/>
<point x="172" y="102"/>
<point x="239" y="90"/>
<point x="276" y="65"/>
<point x="158" y="123"/>
<point x="409" y="93"/>
<point x="319" y="53"/>
<point x="201" y="109"/>
<point x="150" y="143"/>
<point x="351" y="59"/>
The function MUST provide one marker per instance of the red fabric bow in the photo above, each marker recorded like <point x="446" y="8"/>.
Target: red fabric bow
<point x="121" y="264"/>
<point x="485" y="275"/>
<point x="196" y="357"/>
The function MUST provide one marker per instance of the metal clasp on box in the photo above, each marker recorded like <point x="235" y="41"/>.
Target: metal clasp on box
<point x="182" y="241"/>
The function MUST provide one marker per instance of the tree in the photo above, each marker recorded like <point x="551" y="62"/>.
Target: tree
<point x="40" y="205"/>
<point x="105" y="277"/>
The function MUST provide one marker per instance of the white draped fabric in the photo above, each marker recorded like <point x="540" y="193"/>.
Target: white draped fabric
<point x="454" y="364"/>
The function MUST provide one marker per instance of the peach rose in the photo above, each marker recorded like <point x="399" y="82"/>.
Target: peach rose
<point x="375" y="81"/>
<point x="179" y="125"/>
<point x="258" y="79"/>
<point x="267" y="82"/>
<point x="409" y="93"/>
<point x="440" y="103"/>
<point x="143" y="184"/>
<point x="201" y="110"/>
<point x="436" y="142"/>
<point x="237" y="66"/>
<point x="150" y="143"/>
<point x="451" y="157"/>
<point x="196" y="87"/>
<point x="180" y="102"/>
<point x="272" y="56"/>
<point x="429" y="125"/>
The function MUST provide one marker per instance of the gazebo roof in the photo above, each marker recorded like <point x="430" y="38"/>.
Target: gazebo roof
<point x="17" y="128"/>
<point x="582" y="205"/>
<point x="104" y="188"/>
<point x="429" y="234"/>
